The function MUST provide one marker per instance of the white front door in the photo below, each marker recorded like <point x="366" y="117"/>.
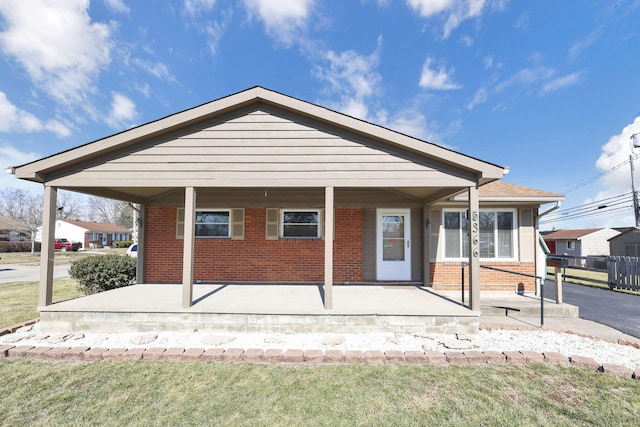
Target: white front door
<point x="393" y="244"/>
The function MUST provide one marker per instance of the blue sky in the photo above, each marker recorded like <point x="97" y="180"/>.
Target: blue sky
<point x="549" y="88"/>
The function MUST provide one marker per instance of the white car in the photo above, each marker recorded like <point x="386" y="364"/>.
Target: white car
<point x="132" y="251"/>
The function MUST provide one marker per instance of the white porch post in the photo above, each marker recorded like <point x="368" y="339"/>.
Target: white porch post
<point x="328" y="247"/>
<point x="474" y="249"/>
<point x="189" y="239"/>
<point x="426" y="240"/>
<point x="140" y="241"/>
<point x="45" y="295"/>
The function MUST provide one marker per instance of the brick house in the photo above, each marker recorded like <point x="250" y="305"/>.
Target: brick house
<point x="260" y="187"/>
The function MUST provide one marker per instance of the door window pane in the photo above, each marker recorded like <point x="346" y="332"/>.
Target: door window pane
<point x="393" y="238"/>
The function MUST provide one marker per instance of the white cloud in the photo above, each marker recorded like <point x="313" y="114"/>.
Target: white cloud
<point x="283" y="19"/>
<point x="195" y="6"/>
<point x="466" y="40"/>
<point x="564" y="81"/>
<point x="409" y="122"/>
<point x="11" y="156"/>
<point x="613" y="153"/>
<point x="156" y="69"/>
<point x="480" y="97"/>
<point x="437" y="79"/>
<point x="144" y="89"/>
<point x="123" y="111"/>
<point x="353" y="78"/>
<point x="583" y="45"/>
<point x="13" y="119"/>
<point x="526" y="77"/>
<point x="117" y="6"/>
<point x="455" y="11"/>
<point x="60" y="48"/>
<point x="216" y="29"/>
<point x="523" y="22"/>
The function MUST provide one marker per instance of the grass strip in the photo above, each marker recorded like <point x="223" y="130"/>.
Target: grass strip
<point x="149" y="393"/>
<point x="19" y="300"/>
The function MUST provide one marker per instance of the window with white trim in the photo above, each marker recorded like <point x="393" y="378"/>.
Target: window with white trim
<point x="213" y="223"/>
<point x="497" y="234"/>
<point x="571" y="245"/>
<point x="300" y="223"/>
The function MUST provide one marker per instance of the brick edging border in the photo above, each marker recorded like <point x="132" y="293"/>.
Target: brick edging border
<point x="312" y="357"/>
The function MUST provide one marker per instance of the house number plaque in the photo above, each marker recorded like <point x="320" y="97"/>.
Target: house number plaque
<point x="475" y="233"/>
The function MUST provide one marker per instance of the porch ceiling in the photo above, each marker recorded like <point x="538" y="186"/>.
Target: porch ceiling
<point x="344" y="196"/>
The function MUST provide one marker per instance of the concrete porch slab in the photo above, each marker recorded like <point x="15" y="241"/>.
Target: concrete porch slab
<point x="261" y="308"/>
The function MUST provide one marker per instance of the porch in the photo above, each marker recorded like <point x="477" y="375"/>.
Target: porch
<point x="263" y="308"/>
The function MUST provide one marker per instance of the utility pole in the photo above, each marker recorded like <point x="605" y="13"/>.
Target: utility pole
<point x="635" y="142"/>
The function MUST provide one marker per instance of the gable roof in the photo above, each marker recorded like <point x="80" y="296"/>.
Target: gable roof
<point x="500" y="191"/>
<point x="10" y="224"/>
<point x="64" y="164"/>
<point x="633" y="230"/>
<point x="571" y="234"/>
<point x="98" y="227"/>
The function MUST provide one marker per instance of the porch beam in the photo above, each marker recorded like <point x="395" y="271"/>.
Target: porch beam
<point x="189" y="239"/>
<point x="474" y="249"/>
<point x="45" y="294"/>
<point x="328" y="246"/>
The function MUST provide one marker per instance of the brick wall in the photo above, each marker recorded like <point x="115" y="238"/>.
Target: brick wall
<point x="254" y="258"/>
<point x="447" y="276"/>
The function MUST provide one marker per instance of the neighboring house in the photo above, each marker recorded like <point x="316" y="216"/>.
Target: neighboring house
<point x="92" y="235"/>
<point x="259" y="187"/>
<point x="13" y="231"/>
<point x="580" y="243"/>
<point x="627" y="243"/>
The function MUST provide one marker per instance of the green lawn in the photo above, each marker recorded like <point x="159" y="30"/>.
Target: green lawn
<point x="18" y="301"/>
<point x="25" y="258"/>
<point x="172" y="393"/>
<point x="38" y="393"/>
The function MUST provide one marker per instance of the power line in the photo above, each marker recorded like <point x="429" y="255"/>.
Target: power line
<point x="587" y="181"/>
<point x="608" y="206"/>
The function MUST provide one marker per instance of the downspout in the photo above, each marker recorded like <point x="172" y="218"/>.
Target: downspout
<point x="538" y="237"/>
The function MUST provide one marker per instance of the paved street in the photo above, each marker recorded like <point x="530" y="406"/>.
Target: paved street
<point x="28" y="273"/>
<point x="615" y="309"/>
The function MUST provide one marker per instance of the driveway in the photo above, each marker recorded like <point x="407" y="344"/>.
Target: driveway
<point x="29" y="273"/>
<point x="615" y="309"/>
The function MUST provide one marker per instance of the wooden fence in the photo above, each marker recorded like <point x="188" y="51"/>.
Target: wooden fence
<point x="624" y="272"/>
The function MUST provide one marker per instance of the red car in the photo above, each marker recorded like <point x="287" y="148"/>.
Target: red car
<point x="65" y="245"/>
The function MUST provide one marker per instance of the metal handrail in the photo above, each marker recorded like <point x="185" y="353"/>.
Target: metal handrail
<point x="464" y="264"/>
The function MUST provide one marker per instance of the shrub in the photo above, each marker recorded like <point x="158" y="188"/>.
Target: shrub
<point x="121" y="243"/>
<point x="23" y="246"/>
<point x="103" y="272"/>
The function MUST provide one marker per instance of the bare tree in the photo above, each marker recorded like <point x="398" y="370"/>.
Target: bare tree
<point x="23" y="206"/>
<point x="70" y="205"/>
<point x="110" y="211"/>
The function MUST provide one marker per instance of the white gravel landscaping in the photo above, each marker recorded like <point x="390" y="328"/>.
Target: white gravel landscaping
<point x="497" y="340"/>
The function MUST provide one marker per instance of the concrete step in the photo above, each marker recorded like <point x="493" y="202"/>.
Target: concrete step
<point x="551" y="309"/>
